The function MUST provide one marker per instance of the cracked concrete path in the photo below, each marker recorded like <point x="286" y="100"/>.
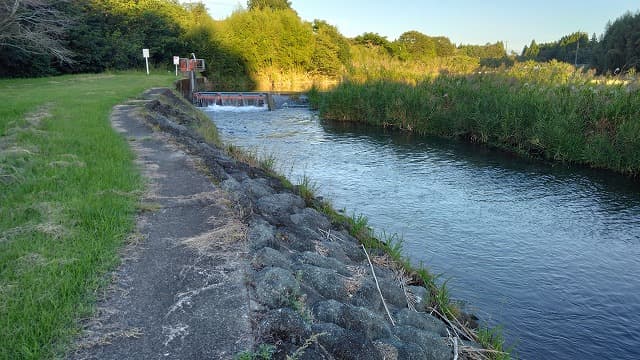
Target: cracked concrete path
<point x="180" y="292"/>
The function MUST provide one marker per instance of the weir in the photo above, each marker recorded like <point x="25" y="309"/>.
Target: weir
<point x="270" y="100"/>
<point x="208" y="98"/>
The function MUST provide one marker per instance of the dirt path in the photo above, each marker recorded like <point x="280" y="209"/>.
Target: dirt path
<point x="180" y="292"/>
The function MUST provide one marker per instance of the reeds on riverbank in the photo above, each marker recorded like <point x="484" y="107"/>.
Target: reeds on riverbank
<point x="545" y="111"/>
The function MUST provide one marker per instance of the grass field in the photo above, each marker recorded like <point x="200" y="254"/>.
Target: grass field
<point x="68" y="193"/>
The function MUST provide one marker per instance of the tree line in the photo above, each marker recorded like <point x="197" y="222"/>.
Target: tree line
<point x="617" y="50"/>
<point x="96" y="35"/>
<point x="99" y="35"/>
<point x="48" y="37"/>
<point x="416" y="46"/>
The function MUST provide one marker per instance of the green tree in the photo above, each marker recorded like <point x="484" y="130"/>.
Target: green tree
<point x="268" y="38"/>
<point x="486" y="51"/>
<point x="111" y="34"/>
<point x="444" y="46"/>
<point x="269" y="4"/>
<point x="573" y="48"/>
<point x="331" y="50"/>
<point x="415" y="45"/>
<point x="531" y="51"/>
<point x="619" y="47"/>
<point x="371" y="39"/>
<point x="34" y="27"/>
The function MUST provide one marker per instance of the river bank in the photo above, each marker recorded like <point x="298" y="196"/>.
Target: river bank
<point x="311" y="290"/>
<point x="546" y="250"/>
<point x="572" y="120"/>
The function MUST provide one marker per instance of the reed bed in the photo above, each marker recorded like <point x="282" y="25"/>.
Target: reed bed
<point x="549" y="111"/>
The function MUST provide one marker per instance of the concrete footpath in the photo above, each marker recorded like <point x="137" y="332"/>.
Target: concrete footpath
<point x="227" y="260"/>
<point x="180" y="292"/>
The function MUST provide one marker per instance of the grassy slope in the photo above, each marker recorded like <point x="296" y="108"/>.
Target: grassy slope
<point x="68" y="190"/>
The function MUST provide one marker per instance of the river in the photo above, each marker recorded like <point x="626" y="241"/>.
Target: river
<point x="550" y="252"/>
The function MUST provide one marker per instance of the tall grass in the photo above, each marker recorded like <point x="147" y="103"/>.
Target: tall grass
<point x="376" y="64"/>
<point x="542" y="110"/>
<point x="68" y="193"/>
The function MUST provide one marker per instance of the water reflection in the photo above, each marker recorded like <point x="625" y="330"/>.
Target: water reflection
<point x="550" y="251"/>
<point x="615" y="191"/>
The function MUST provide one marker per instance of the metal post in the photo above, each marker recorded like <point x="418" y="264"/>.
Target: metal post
<point x="192" y="81"/>
<point x="192" y="74"/>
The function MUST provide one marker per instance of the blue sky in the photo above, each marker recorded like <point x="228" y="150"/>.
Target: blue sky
<point x="463" y="21"/>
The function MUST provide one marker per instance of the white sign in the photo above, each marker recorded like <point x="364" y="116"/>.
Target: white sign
<point x="176" y="62"/>
<point x="145" y="54"/>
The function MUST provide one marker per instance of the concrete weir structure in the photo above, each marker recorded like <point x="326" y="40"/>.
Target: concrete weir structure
<point x="271" y="100"/>
<point x="207" y="98"/>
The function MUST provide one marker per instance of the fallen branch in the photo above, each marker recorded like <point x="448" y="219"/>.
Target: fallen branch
<point x="378" y="286"/>
<point x="403" y="279"/>
<point x="454" y="339"/>
<point x="457" y="330"/>
<point x="476" y="353"/>
<point x="471" y="334"/>
<point x="477" y="350"/>
<point x="330" y="236"/>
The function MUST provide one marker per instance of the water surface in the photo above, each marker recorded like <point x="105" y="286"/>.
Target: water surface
<point x="550" y="252"/>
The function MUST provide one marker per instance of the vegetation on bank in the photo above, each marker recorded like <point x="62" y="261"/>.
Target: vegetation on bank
<point x="266" y="46"/>
<point x="548" y="111"/>
<point x="612" y="50"/>
<point x="68" y="193"/>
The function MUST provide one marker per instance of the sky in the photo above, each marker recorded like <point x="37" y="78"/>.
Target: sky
<point x="514" y="22"/>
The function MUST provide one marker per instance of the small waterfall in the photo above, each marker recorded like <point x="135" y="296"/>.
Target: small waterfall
<point x="230" y="99"/>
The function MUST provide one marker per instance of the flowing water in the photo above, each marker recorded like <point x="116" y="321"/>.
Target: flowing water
<point x="551" y="253"/>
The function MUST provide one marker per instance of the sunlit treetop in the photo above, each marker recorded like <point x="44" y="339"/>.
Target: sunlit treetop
<point x="269" y="4"/>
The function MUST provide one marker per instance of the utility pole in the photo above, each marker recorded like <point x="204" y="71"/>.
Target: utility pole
<point x="575" y="62"/>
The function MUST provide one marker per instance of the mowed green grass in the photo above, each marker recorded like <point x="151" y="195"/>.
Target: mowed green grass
<point x="68" y="194"/>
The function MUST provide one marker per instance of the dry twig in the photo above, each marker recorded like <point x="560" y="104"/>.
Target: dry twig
<point x="378" y="286"/>
<point x="330" y="236"/>
<point x="454" y="339"/>
<point x="403" y="279"/>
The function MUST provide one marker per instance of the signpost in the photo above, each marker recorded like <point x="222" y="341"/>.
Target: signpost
<point x="145" y="54"/>
<point x="176" y="61"/>
<point x="189" y="66"/>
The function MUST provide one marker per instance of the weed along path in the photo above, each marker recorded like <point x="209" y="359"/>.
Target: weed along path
<point x="229" y="261"/>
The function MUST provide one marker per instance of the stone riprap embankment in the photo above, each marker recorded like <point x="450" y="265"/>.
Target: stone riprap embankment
<point x="311" y="291"/>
